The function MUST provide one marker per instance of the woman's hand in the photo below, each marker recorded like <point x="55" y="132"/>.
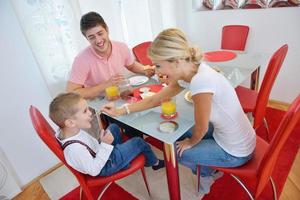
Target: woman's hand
<point x="110" y="109"/>
<point x="183" y="145"/>
<point x="163" y="79"/>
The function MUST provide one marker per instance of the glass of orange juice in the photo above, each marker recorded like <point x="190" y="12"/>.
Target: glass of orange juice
<point x="168" y="108"/>
<point x="112" y="93"/>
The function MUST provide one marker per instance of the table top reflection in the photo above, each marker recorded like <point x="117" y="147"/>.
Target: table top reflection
<point x="240" y="68"/>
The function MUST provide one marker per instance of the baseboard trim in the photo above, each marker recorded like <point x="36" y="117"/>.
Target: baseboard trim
<point x="42" y="175"/>
<point x="278" y="104"/>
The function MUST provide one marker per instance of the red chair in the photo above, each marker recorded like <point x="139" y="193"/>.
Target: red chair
<point x="46" y="133"/>
<point x="258" y="171"/>
<point x="234" y="37"/>
<point x="256" y="102"/>
<point x="140" y="52"/>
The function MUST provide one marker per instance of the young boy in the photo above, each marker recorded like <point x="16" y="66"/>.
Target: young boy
<point x="71" y="113"/>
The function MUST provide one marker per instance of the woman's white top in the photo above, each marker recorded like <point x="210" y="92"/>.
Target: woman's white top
<point x="78" y="156"/>
<point x="232" y="129"/>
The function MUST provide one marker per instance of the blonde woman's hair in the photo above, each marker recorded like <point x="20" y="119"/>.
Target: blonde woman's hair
<point x="170" y="45"/>
<point x="63" y="107"/>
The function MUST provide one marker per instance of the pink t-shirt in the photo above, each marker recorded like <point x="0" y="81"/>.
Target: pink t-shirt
<point x="90" y="69"/>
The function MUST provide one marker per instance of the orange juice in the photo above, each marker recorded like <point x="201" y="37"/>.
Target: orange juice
<point x="112" y="92"/>
<point x="168" y="108"/>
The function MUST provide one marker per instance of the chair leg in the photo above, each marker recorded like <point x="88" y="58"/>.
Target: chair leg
<point x="274" y="188"/>
<point x="87" y="194"/>
<point x="243" y="186"/>
<point x="198" y="178"/>
<point x="80" y="193"/>
<point x="145" y="180"/>
<point x="267" y="127"/>
<point x="103" y="190"/>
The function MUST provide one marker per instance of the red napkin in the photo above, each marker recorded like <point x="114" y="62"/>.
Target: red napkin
<point x="219" y="56"/>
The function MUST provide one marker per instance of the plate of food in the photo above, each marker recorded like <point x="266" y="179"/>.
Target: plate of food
<point x="146" y="91"/>
<point x="138" y="80"/>
<point x="168" y="127"/>
<point x="188" y="96"/>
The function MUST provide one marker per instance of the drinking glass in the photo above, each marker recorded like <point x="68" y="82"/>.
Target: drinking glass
<point x="112" y="93"/>
<point x="168" y="108"/>
<point x="126" y="90"/>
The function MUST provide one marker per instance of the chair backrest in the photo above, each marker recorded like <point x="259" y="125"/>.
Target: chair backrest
<point x="287" y="124"/>
<point x="47" y="134"/>
<point x="140" y="52"/>
<point x="234" y="37"/>
<point x="272" y="71"/>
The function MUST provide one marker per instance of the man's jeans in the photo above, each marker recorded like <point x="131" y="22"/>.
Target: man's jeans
<point x="208" y="152"/>
<point x="124" y="153"/>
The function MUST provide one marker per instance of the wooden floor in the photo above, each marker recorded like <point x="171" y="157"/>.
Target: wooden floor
<point x="291" y="190"/>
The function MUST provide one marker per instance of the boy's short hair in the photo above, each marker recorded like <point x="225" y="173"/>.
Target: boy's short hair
<point x="63" y="107"/>
<point x="91" y="20"/>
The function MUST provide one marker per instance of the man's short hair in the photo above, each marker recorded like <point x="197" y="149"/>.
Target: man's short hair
<point x="63" y="107"/>
<point x="91" y="20"/>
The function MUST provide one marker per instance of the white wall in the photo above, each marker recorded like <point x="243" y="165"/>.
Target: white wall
<point x="21" y="85"/>
<point x="269" y="29"/>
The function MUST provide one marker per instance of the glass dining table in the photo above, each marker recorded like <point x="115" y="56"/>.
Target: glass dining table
<point x="236" y="71"/>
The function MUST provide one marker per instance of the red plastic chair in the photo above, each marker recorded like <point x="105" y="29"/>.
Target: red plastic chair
<point x="234" y="37"/>
<point x="256" y="102"/>
<point x="140" y="52"/>
<point x="258" y="171"/>
<point x="47" y="134"/>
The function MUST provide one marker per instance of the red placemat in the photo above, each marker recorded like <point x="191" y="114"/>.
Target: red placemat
<point x="219" y="56"/>
<point x="153" y="88"/>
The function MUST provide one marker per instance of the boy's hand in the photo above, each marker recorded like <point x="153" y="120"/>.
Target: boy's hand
<point x="106" y="136"/>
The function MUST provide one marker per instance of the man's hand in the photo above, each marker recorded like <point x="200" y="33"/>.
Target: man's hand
<point x="183" y="145"/>
<point x="116" y="79"/>
<point x="149" y="70"/>
<point x="106" y="136"/>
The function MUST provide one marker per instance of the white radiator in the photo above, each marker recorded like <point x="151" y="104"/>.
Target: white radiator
<point x="8" y="184"/>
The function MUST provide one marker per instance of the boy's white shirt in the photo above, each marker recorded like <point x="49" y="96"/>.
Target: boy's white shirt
<point x="78" y="156"/>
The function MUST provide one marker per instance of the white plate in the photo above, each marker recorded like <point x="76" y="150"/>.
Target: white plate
<point x="188" y="96"/>
<point x="138" y="80"/>
<point x="168" y="127"/>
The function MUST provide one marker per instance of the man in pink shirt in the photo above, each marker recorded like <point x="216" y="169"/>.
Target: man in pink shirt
<point x="102" y="63"/>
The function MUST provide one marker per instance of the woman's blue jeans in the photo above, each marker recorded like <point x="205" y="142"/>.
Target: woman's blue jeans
<point x="124" y="153"/>
<point x="208" y="153"/>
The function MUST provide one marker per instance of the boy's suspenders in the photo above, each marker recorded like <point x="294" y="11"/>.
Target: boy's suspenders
<point x="77" y="141"/>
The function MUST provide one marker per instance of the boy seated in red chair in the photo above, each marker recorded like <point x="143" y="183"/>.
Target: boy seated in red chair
<point x="83" y="152"/>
